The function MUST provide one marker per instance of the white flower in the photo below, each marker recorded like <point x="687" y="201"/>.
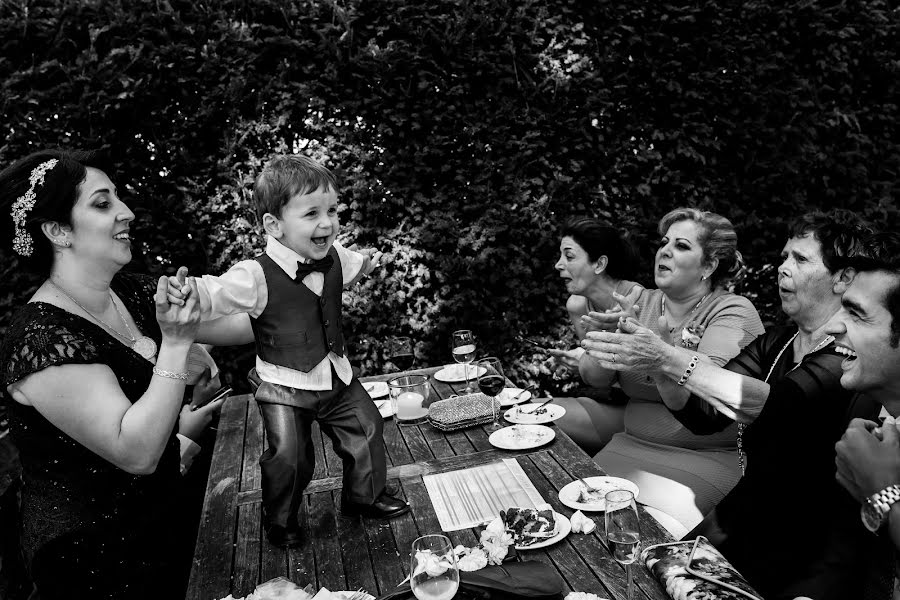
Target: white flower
<point x="582" y="596"/>
<point x="494" y="528"/>
<point x="494" y="538"/>
<point x="496" y="554"/>
<point x="430" y="563"/>
<point x="474" y="560"/>
<point x="461" y="550"/>
<point x="582" y="524"/>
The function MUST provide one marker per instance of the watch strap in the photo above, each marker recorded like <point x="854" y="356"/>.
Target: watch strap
<point x="883" y="500"/>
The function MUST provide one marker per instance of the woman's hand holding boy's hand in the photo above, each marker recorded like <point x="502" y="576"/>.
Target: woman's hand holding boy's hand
<point x="177" y="322"/>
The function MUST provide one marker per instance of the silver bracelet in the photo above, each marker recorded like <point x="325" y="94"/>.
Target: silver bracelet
<point x="170" y="374"/>
<point x="690" y="369"/>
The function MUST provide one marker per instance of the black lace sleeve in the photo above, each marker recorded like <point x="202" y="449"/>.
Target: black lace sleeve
<point x="42" y="335"/>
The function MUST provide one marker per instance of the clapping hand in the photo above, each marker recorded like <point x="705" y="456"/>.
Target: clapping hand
<point x="632" y="348"/>
<point x="609" y="319"/>
<point x="566" y="358"/>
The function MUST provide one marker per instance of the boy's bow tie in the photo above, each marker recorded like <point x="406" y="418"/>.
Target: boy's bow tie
<point x="304" y="269"/>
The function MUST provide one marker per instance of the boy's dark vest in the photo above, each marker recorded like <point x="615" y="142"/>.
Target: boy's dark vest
<point x="298" y="329"/>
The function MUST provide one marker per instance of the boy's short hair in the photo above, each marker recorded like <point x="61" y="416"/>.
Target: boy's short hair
<point x="284" y="177"/>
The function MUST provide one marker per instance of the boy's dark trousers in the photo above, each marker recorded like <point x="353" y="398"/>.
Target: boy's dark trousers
<point x="347" y="415"/>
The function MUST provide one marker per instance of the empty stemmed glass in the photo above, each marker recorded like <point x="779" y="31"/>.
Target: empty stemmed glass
<point x="623" y="531"/>
<point x="434" y="574"/>
<point x="463" y="344"/>
<point x="491" y="382"/>
<point x="401" y="353"/>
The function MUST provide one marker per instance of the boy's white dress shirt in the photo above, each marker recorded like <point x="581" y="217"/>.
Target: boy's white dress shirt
<point x="242" y="289"/>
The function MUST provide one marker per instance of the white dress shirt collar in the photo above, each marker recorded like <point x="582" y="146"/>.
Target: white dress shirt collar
<point x="283" y="256"/>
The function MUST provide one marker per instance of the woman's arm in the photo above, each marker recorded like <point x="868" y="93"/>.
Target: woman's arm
<point x="86" y="402"/>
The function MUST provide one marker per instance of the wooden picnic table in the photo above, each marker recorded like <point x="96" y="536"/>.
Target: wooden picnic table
<point x="232" y="554"/>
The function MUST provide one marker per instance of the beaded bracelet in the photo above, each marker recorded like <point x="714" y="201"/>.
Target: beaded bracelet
<point x="690" y="369"/>
<point x="170" y="374"/>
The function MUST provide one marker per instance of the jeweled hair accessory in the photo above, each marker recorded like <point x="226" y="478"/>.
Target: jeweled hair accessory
<point x="22" y="242"/>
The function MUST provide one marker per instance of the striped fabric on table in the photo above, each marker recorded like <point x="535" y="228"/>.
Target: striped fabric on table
<point x="475" y="496"/>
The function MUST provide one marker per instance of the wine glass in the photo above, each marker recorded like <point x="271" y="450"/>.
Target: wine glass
<point x="491" y="382"/>
<point x="401" y="353"/>
<point x="434" y="574"/>
<point x="464" y="352"/>
<point x="623" y="531"/>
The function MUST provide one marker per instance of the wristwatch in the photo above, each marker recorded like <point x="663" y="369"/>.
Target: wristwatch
<point x="875" y="509"/>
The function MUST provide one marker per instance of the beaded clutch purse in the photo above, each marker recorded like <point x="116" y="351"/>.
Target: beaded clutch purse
<point x="461" y="412"/>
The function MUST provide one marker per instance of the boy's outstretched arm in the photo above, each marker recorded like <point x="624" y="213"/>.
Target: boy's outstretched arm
<point x="225" y="330"/>
<point x="370" y="260"/>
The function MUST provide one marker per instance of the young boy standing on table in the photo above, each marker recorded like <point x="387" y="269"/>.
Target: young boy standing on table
<point x="292" y="293"/>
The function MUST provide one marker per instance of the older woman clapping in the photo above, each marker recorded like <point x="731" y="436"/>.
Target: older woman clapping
<point x="681" y="475"/>
<point x="786" y="385"/>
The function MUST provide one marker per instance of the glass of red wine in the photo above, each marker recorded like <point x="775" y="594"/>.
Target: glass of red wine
<point x="491" y="382"/>
<point x="463" y="344"/>
<point x="401" y="353"/>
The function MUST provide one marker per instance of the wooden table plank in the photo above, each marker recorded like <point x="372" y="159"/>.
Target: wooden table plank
<point x="253" y="448"/>
<point x="245" y="575"/>
<point x="327" y="551"/>
<point x="355" y="552"/>
<point x="214" y="550"/>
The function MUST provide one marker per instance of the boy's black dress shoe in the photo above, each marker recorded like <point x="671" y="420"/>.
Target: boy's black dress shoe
<point x="384" y="507"/>
<point x="283" y="537"/>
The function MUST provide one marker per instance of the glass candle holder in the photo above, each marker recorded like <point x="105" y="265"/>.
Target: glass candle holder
<point x="409" y="398"/>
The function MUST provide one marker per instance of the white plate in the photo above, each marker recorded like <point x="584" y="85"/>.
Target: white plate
<point x="344" y="594"/>
<point x="554" y="411"/>
<point x="506" y="396"/>
<point x="569" y="494"/>
<point x="385" y="407"/>
<point x="456" y="372"/>
<point x="376" y="389"/>
<point x="563" y="528"/>
<point x="521" y="437"/>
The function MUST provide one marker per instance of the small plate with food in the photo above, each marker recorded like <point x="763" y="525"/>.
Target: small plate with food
<point x="512" y="396"/>
<point x="532" y="527"/>
<point x="521" y="437"/>
<point x="376" y="389"/>
<point x="531" y="414"/>
<point x="576" y="495"/>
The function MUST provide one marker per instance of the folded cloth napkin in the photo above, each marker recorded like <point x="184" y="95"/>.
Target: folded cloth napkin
<point x="528" y="579"/>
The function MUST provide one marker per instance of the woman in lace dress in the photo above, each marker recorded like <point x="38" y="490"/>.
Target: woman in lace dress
<point x="94" y="369"/>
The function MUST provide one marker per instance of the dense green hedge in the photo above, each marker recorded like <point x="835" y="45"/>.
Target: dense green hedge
<point x="464" y="133"/>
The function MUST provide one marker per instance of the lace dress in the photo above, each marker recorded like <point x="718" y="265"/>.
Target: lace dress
<point x="90" y="528"/>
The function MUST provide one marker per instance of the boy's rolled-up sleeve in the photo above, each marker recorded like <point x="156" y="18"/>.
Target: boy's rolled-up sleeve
<point x="241" y="289"/>
<point x="351" y="264"/>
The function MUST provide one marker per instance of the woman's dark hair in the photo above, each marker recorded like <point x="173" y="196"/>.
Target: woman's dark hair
<point x="53" y="200"/>
<point x="599" y="239"/>
<point x="717" y="238"/>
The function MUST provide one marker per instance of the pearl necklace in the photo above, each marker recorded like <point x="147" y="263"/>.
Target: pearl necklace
<point x="143" y="345"/>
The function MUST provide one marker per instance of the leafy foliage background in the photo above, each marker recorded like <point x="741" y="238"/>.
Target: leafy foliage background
<point x="464" y="134"/>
